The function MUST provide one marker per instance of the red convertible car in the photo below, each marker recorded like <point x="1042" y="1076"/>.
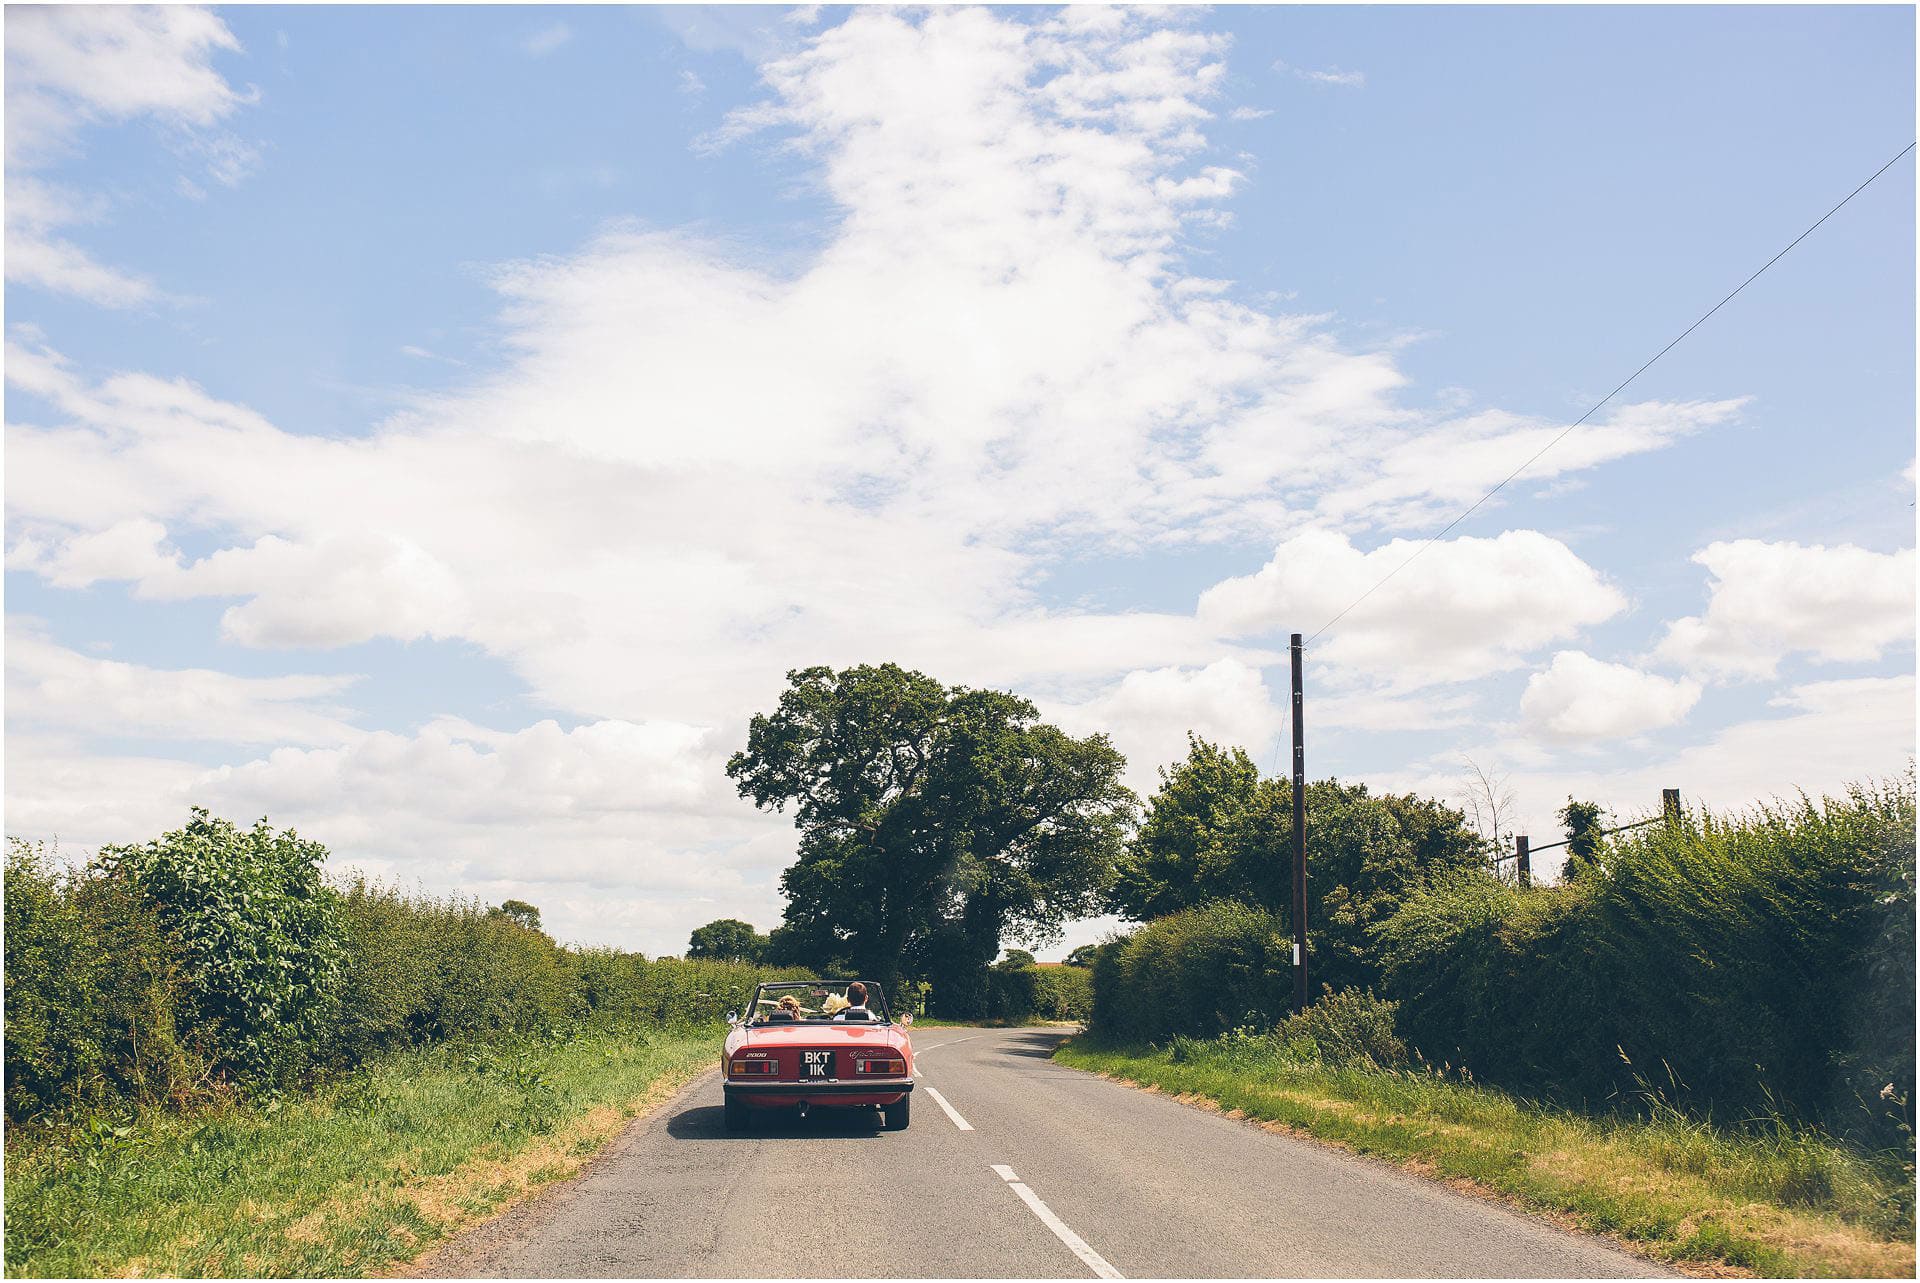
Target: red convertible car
<point x="815" y="1044"/>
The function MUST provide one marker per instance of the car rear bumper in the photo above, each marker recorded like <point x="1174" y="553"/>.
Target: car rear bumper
<point x="885" y="1091"/>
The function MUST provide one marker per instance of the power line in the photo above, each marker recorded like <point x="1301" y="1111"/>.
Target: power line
<point x="1561" y="435"/>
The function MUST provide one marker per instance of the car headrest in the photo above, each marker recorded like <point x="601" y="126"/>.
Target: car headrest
<point x="856" y="1016"/>
<point x="782" y="1018"/>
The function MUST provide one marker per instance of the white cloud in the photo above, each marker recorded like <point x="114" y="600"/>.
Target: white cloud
<point x="56" y="690"/>
<point x="1250" y="113"/>
<point x="70" y="66"/>
<point x="1428" y="468"/>
<point x="1578" y="697"/>
<point x="547" y="39"/>
<point x="1327" y="76"/>
<point x="131" y="549"/>
<point x="1771" y="600"/>
<point x="1149" y="713"/>
<point x="1465" y="608"/>
<point x="38" y="257"/>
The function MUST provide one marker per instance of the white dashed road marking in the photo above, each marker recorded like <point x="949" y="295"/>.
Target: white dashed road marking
<point x="1075" y="1244"/>
<point x="952" y="1113"/>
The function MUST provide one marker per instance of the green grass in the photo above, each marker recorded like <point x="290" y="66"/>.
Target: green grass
<point x="1771" y="1201"/>
<point x="350" y="1180"/>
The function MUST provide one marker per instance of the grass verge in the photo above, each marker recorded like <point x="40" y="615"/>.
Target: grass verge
<point x="1781" y="1204"/>
<point x="351" y="1180"/>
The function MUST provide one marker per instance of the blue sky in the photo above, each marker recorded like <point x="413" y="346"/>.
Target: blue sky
<point x="440" y="428"/>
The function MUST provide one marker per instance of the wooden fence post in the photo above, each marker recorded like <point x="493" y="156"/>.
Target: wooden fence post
<point x="1523" y="855"/>
<point x="1670" y="804"/>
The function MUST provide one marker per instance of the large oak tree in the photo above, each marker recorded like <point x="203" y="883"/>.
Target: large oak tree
<point x="934" y="822"/>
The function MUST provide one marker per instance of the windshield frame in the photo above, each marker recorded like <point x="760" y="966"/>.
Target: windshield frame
<point x="769" y="992"/>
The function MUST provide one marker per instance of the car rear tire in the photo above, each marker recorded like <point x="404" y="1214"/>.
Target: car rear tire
<point x="897" y="1115"/>
<point x="738" y="1116"/>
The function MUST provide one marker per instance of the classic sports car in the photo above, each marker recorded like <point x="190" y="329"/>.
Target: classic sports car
<point x="814" y="1044"/>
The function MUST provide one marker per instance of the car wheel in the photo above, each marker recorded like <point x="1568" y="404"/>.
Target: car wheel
<point x="897" y="1115"/>
<point x="738" y="1116"/>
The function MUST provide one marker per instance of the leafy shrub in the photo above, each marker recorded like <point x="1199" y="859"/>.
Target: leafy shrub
<point x="1351" y="1027"/>
<point x="1066" y="993"/>
<point x="1198" y="972"/>
<point x="92" y="990"/>
<point x="1013" y="993"/>
<point x="1347" y="1028"/>
<point x="1742" y="966"/>
<point x="256" y="928"/>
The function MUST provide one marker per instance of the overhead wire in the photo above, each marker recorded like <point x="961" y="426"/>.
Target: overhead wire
<point x="1597" y="405"/>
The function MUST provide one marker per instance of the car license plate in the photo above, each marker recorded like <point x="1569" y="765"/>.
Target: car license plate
<point x="819" y="1063"/>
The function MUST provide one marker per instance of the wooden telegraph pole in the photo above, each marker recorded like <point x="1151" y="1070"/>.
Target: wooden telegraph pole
<point x="1299" y="843"/>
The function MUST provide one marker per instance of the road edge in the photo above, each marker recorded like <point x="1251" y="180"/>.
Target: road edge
<point x="666" y="1089"/>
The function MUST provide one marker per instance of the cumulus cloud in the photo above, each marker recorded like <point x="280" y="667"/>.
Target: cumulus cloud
<point x="1150" y="712"/>
<point x="70" y="66"/>
<point x="1578" y="697"/>
<point x="1466" y="608"/>
<point x="1767" y="601"/>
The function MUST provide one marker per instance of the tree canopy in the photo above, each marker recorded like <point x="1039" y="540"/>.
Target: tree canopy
<point x="727" y="940"/>
<point x="934" y="821"/>
<point x="1216" y="831"/>
<point x="518" y="912"/>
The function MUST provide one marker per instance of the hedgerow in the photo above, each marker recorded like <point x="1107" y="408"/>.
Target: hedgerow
<point x="217" y="960"/>
<point x="1021" y="993"/>
<point x="1198" y="973"/>
<point x="1748" y="966"/>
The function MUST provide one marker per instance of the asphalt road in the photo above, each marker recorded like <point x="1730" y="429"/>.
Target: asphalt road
<point x="1056" y="1174"/>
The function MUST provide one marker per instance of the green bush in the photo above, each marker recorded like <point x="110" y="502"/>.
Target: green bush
<point x="93" y="987"/>
<point x="1351" y="1028"/>
<point x="1198" y="972"/>
<point x="257" y="930"/>
<point x="1066" y="993"/>
<point x="1745" y="966"/>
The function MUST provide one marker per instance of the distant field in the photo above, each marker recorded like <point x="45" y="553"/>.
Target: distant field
<point x="366" y="1174"/>
<point x="1780" y="1204"/>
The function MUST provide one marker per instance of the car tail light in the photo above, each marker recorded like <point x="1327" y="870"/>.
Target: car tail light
<point x="881" y="1065"/>
<point x="749" y="1067"/>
